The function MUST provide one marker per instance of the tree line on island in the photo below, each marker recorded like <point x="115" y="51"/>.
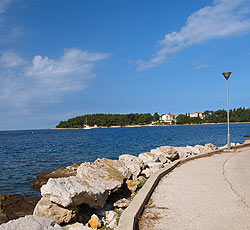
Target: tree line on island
<point x="108" y="120"/>
<point x="219" y="116"/>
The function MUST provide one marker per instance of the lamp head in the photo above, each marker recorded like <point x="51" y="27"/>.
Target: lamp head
<point x="226" y="75"/>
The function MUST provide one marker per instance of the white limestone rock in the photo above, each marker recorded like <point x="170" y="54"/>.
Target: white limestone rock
<point x="113" y="224"/>
<point x="163" y="159"/>
<point x="148" y="157"/>
<point x="232" y="145"/>
<point x="123" y="203"/>
<point x="133" y="163"/>
<point x="170" y="152"/>
<point x="200" y="147"/>
<point x="110" y="216"/>
<point x="183" y="152"/>
<point x="92" y="184"/>
<point x="155" y="165"/>
<point x="73" y="191"/>
<point x="156" y="152"/>
<point x="109" y="174"/>
<point x="45" y="208"/>
<point x="193" y="150"/>
<point x="210" y="147"/>
<point x="31" y="222"/>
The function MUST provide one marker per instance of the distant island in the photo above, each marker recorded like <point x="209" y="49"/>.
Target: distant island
<point x="141" y="119"/>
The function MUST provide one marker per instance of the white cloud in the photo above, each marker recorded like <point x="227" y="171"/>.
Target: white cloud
<point x="222" y="19"/>
<point x="10" y="59"/>
<point x="44" y="80"/>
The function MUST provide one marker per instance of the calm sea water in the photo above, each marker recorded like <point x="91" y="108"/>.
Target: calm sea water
<point x="23" y="155"/>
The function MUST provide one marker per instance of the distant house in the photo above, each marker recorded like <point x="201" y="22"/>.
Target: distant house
<point x="196" y="114"/>
<point x="168" y="118"/>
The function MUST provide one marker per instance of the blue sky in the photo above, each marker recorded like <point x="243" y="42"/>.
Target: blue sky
<point x="61" y="59"/>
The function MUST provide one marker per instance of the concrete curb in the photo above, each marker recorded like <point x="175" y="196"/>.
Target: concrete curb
<point x="129" y="218"/>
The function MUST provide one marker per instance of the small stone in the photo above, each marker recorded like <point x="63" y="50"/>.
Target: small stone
<point x="123" y="203"/>
<point x="110" y="216"/>
<point x="132" y="185"/>
<point x="94" y="221"/>
<point x="113" y="224"/>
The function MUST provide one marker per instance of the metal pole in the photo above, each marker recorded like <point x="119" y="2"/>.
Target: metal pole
<point x="228" y="127"/>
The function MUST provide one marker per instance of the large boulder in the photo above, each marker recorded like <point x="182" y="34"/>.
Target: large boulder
<point x="92" y="184"/>
<point x="31" y="222"/>
<point x="148" y="157"/>
<point x="184" y="152"/>
<point x="43" y="177"/>
<point x="170" y="152"/>
<point x="133" y="163"/>
<point x="210" y="147"/>
<point x="201" y="148"/>
<point x="15" y="206"/>
<point x="73" y="191"/>
<point x="152" y="167"/>
<point x="59" y="214"/>
<point x="109" y="174"/>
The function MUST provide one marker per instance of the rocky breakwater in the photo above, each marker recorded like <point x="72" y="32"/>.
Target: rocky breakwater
<point x="95" y="194"/>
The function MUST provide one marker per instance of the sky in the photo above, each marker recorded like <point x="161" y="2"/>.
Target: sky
<point x="60" y="59"/>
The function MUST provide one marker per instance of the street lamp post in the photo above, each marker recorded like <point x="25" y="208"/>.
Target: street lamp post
<point x="226" y="75"/>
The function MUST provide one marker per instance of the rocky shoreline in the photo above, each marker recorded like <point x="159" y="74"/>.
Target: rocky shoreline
<point x="89" y="195"/>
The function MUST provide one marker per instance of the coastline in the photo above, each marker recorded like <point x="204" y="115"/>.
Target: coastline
<point x="134" y="171"/>
<point x="151" y="125"/>
<point x="127" y="170"/>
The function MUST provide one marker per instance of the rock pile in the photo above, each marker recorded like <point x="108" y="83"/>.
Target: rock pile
<point x="93" y="184"/>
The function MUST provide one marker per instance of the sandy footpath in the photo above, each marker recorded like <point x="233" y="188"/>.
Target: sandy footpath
<point x="207" y="193"/>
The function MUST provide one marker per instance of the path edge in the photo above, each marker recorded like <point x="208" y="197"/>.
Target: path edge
<point x="129" y="218"/>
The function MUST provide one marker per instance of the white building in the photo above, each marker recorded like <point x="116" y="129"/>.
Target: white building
<point x="168" y="118"/>
<point x="196" y="114"/>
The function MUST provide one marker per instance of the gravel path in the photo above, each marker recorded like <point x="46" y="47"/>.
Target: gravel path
<point x="207" y="193"/>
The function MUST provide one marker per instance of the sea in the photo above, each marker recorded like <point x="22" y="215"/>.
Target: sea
<point x="25" y="153"/>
